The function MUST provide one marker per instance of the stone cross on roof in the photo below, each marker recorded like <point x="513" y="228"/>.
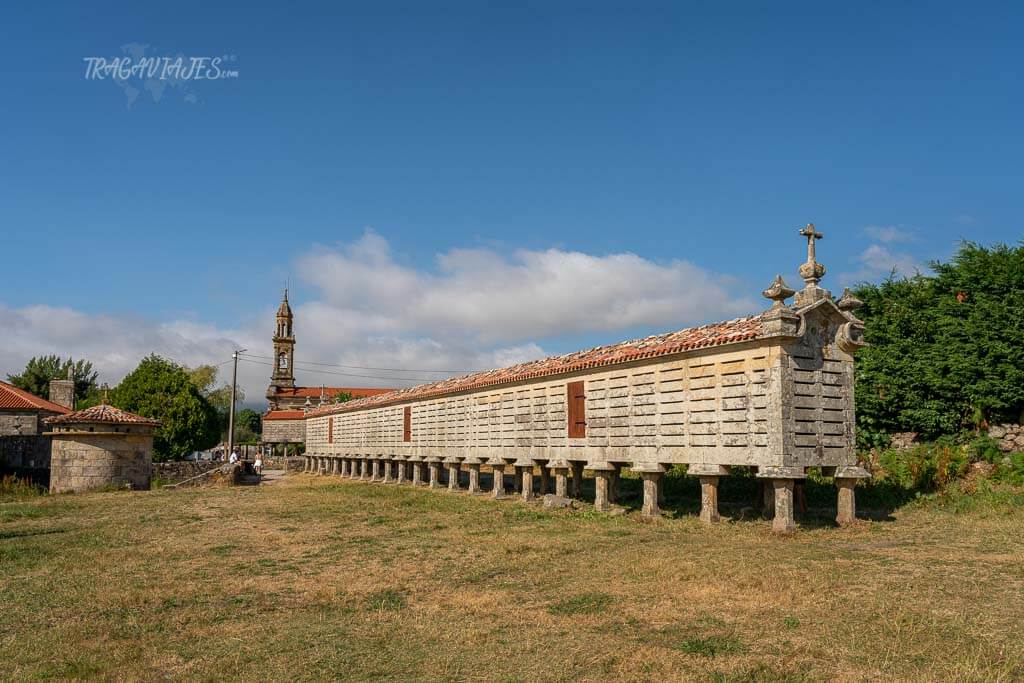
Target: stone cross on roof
<point x="811" y="271"/>
<point x="811" y="234"/>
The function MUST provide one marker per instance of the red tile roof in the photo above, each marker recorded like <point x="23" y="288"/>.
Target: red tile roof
<point x="730" y="332"/>
<point x="13" y="398"/>
<point x="329" y="392"/>
<point x="284" y="415"/>
<point x="105" y="414"/>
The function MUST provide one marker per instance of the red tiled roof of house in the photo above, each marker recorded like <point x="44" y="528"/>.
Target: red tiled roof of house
<point x="284" y="415"/>
<point x="103" y="413"/>
<point x="13" y="398"/>
<point x="729" y="332"/>
<point x="330" y="392"/>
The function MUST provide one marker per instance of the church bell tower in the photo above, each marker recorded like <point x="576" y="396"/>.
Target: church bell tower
<point x="284" y="350"/>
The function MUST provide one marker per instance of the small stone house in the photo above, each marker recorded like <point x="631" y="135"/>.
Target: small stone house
<point x="99" y="447"/>
<point x="24" y="449"/>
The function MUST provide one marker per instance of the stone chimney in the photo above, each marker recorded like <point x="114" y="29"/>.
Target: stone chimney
<point x="62" y="392"/>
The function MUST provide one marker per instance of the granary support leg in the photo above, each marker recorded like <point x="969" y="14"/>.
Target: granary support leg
<point x="417" y="478"/>
<point x="767" y="499"/>
<point x="305" y="464"/>
<point x="473" y="464"/>
<point x="576" y="488"/>
<point x="525" y="467"/>
<point x="613" y="482"/>
<point x="400" y="470"/>
<point x="344" y="468"/>
<point x="545" y="477"/>
<point x="434" y="465"/>
<point x="709" y="476"/>
<point x="376" y="474"/>
<point x="782" y="484"/>
<point x="336" y="466"/>
<point x="498" y="487"/>
<point x="561" y="469"/>
<point x="651" y="473"/>
<point x="783" y="523"/>
<point x="386" y="464"/>
<point x="846" y="479"/>
<point x="453" y="473"/>
<point x="602" y="476"/>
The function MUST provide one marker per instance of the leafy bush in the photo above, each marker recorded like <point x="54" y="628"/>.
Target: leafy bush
<point x="926" y="467"/>
<point x="12" y="488"/>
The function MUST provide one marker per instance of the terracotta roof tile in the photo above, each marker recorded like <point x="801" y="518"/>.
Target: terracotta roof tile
<point x="284" y="415"/>
<point x="329" y="392"/>
<point x="105" y="414"/>
<point x="13" y="398"/>
<point x="729" y="332"/>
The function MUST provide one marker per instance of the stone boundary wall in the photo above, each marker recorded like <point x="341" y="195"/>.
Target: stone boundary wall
<point x="1009" y="436"/>
<point x="180" y="470"/>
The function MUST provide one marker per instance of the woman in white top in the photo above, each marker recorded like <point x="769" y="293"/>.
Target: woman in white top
<point x="258" y="465"/>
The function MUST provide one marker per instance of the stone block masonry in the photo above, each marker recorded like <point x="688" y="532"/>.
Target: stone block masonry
<point x="773" y="391"/>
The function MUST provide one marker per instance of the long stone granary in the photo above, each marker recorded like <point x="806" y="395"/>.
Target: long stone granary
<point x="772" y="391"/>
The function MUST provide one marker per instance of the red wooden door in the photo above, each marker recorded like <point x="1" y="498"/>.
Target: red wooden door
<point x="576" y="405"/>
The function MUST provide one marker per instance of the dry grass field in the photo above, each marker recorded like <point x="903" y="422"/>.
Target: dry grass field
<point x="319" y="579"/>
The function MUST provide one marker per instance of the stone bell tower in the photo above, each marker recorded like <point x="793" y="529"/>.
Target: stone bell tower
<point x="283" y="376"/>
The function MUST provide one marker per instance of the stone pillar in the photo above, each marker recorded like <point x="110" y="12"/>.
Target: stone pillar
<point x="783" y="523"/>
<point x="386" y="464"/>
<point x="414" y="461"/>
<point x="525" y="467"/>
<point x="576" y="490"/>
<point x="305" y="464"/>
<point x="602" y="475"/>
<point x="561" y="469"/>
<point x="453" y="473"/>
<point x="376" y="474"/>
<point x="651" y="473"/>
<point x="474" y="474"/>
<point x="613" y="482"/>
<point x="767" y="499"/>
<point x="709" y="500"/>
<point x="335" y="466"/>
<point x="400" y="470"/>
<point x="343" y="467"/>
<point x="846" y="479"/>
<point x="434" y="465"/>
<point x="498" y="487"/>
<point x="545" y="477"/>
<point x="709" y="476"/>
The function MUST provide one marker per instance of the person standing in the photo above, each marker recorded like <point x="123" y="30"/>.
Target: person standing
<point x="258" y="465"/>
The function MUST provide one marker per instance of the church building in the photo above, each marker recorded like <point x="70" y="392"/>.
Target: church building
<point x="283" y="422"/>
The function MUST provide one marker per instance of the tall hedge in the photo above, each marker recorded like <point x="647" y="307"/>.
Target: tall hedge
<point x="947" y="349"/>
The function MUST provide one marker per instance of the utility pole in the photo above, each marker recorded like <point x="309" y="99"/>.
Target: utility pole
<point x="231" y="412"/>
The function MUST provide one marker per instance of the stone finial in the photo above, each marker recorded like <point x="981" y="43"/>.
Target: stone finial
<point x="848" y="302"/>
<point x="779" y="320"/>
<point x="778" y="292"/>
<point x="811" y="271"/>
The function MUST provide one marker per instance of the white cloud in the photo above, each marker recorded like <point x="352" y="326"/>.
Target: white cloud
<point x="476" y="308"/>
<point x="888" y="234"/>
<point x="879" y="261"/>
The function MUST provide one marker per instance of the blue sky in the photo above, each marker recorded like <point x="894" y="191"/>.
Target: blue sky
<point x="702" y="133"/>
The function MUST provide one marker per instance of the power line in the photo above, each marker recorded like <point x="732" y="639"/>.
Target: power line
<point x="338" y="365"/>
<point x="351" y="374"/>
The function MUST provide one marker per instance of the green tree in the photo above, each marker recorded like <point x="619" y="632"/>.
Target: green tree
<point x="38" y="372"/>
<point x="343" y="397"/>
<point x="250" y="419"/>
<point x="945" y="352"/>
<point x="204" y="377"/>
<point x="164" y="390"/>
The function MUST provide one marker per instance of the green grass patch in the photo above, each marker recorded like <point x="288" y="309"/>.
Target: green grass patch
<point x="584" y="603"/>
